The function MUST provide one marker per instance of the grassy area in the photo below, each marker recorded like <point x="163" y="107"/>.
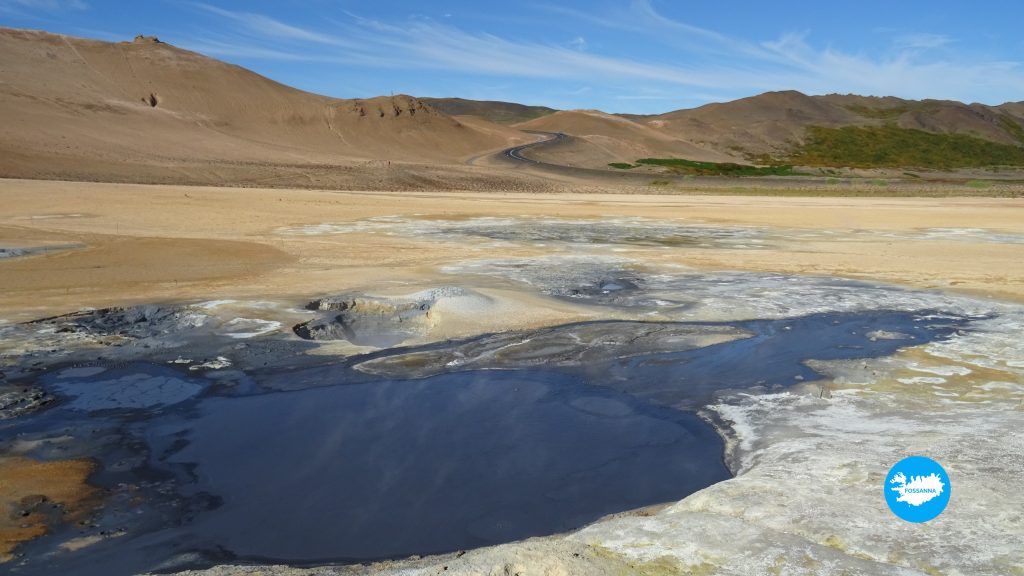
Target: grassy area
<point x="622" y="165"/>
<point x="889" y="113"/>
<point x="682" y="166"/>
<point x="1010" y="124"/>
<point x="890" y="147"/>
<point x="842" y="189"/>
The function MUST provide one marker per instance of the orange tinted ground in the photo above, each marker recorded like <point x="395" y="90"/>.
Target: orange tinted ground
<point x="29" y="487"/>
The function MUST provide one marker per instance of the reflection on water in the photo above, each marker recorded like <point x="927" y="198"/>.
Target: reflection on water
<point x="445" y="463"/>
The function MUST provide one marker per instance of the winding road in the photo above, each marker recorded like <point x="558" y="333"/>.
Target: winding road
<point x="515" y="153"/>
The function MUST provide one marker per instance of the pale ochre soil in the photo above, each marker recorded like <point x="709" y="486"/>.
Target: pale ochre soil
<point x="166" y="243"/>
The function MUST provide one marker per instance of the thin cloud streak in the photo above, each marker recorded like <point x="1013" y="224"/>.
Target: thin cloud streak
<point x="32" y="8"/>
<point x="922" y="40"/>
<point x="271" y="28"/>
<point x="721" y="64"/>
<point x="432" y="45"/>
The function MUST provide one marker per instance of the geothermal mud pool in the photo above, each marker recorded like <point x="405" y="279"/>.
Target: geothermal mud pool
<point x="233" y="431"/>
<point x="528" y="434"/>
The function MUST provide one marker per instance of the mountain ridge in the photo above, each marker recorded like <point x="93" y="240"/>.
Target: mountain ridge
<point x="82" y="104"/>
<point x="146" y="110"/>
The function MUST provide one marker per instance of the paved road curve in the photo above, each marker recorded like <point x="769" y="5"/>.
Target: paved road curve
<point x="515" y="153"/>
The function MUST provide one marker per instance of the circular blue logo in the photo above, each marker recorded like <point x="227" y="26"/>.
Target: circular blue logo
<point x="917" y="489"/>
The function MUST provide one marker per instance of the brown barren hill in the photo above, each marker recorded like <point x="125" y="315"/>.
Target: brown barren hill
<point x="493" y="110"/>
<point x="764" y="124"/>
<point x="76" y="108"/>
<point x="600" y="139"/>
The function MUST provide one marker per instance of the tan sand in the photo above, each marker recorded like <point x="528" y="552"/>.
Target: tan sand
<point x="146" y="243"/>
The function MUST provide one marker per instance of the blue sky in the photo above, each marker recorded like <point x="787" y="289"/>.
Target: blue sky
<point x="641" y="56"/>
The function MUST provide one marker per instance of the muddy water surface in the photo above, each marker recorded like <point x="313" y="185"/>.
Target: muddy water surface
<point x="379" y="456"/>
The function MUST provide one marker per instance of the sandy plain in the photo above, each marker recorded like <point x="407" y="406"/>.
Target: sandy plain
<point x="144" y="243"/>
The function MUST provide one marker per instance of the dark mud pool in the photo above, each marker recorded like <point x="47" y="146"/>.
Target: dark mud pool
<point x="408" y="452"/>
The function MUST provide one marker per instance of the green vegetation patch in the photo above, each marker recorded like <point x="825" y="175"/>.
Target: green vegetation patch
<point x="888" y="113"/>
<point x="1010" y="124"/>
<point x="694" y="167"/>
<point x="891" y="147"/>
<point x="623" y="165"/>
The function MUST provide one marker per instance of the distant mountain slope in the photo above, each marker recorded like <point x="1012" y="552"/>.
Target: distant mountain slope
<point x="74" y="107"/>
<point x="779" y="123"/>
<point x="764" y="124"/>
<point x="493" y="110"/>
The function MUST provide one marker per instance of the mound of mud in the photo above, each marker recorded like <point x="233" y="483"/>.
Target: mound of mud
<point x="144" y="321"/>
<point x="601" y="281"/>
<point x="379" y="321"/>
<point x="20" y="400"/>
<point x="606" y="289"/>
<point x="365" y="321"/>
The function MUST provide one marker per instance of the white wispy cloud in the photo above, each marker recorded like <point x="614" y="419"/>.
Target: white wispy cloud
<point x="717" y="62"/>
<point x="268" y="27"/>
<point x="222" y="48"/>
<point x="30" y="8"/>
<point x="428" y="44"/>
<point x="640" y="17"/>
<point x="922" y="40"/>
<point x="578" y="43"/>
